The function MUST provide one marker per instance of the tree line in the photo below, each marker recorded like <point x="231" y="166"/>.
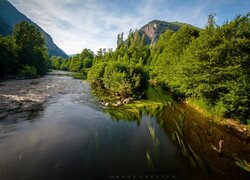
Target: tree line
<point x="78" y="63"/>
<point x="24" y="53"/>
<point x="209" y="66"/>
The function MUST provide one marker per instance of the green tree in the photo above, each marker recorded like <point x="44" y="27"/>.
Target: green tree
<point x="166" y="55"/>
<point x="95" y="75"/>
<point x="216" y="67"/>
<point x="8" y="57"/>
<point x="31" y="46"/>
<point x="81" y="62"/>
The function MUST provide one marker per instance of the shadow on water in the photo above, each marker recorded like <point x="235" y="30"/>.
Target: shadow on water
<point x="199" y="139"/>
<point x="196" y="136"/>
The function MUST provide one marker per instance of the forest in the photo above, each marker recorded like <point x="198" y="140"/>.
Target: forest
<point x="24" y="53"/>
<point x="208" y="67"/>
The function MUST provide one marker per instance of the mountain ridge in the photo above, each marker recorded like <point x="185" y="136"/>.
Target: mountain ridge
<point x="10" y="16"/>
<point x="153" y="29"/>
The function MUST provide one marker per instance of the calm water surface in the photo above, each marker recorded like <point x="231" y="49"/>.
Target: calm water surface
<point x="71" y="137"/>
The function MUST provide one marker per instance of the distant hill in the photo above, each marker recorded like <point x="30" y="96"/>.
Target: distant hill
<point x="154" y="29"/>
<point x="10" y="16"/>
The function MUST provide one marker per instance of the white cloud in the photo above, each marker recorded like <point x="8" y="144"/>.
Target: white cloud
<point x="94" y="24"/>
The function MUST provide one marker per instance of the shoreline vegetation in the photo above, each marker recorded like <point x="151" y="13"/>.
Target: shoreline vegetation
<point x="207" y="69"/>
<point x="157" y="100"/>
<point x="153" y="101"/>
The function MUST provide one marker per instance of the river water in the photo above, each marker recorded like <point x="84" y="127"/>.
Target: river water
<point x="69" y="136"/>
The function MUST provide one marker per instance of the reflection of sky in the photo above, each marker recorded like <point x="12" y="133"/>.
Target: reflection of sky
<point x="94" y="24"/>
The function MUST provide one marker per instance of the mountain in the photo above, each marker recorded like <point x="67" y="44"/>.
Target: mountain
<point x="154" y="29"/>
<point x="10" y="16"/>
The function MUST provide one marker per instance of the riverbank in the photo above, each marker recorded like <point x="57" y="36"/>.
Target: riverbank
<point x="157" y="98"/>
<point x="197" y="134"/>
<point x="228" y="125"/>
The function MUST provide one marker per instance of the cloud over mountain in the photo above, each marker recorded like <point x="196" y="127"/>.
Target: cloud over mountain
<point x="94" y="24"/>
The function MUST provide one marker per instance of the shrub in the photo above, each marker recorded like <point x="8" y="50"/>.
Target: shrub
<point x="28" y="71"/>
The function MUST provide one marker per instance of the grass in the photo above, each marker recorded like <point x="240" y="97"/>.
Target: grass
<point x="157" y="94"/>
<point x="156" y="100"/>
<point x="149" y="160"/>
<point x="202" y="106"/>
<point x="215" y="112"/>
<point x="135" y="110"/>
<point x="79" y="76"/>
<point x="243" y="164"/>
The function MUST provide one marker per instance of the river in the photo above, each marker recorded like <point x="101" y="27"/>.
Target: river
<point x="54" y="128"/>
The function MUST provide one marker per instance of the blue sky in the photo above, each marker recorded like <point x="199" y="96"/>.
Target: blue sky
<point x="78" y="24"/>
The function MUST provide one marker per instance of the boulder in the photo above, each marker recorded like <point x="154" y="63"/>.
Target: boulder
<point x="119" y="103"/>
<point x="127" y="100"/>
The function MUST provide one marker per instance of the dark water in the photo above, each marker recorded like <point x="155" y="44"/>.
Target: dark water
<point x="72" y="138"/>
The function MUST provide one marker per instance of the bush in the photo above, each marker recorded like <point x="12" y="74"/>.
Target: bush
<point x="28" y="71"/>
<point x="117" y="82"/>
<point x="118" y="78"/>
<point x="95" y="75"/>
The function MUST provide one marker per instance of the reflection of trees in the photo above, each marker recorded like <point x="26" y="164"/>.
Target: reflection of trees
<point x="157" y="100"/>
<point x="134" y="112"/>
<point x="195" y="137"/>
<point x="171" y="118"/>
<point x="183" y="133"/>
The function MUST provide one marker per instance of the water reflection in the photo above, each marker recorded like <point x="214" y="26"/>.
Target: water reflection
<point x="196" y="137"/>
<point x="86" y="144"/>
<point x="72" y="138"/>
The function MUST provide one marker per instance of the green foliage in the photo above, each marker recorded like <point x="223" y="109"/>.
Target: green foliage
<point x="212" y="65"/>
<point x="116" y="81"/>
<point x="31" y="46"/>
<point x="157" y="94"/>
<point x="216" y="66"/>
<point x="79" y="76"/>
<point x="28" y="71"/>
<point x="136" y="110"/>
<point x="81" y="62"/>
<point x="8" y="56"/>
<point x="121" y="72"/>
<point x="122" y="79"/>
<point x="209" y="109"/>
<point x="58" y="63"/>
<point x="166" y="55"/>
<point x="25" y="47"/>
<point x="95" y="75"/>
